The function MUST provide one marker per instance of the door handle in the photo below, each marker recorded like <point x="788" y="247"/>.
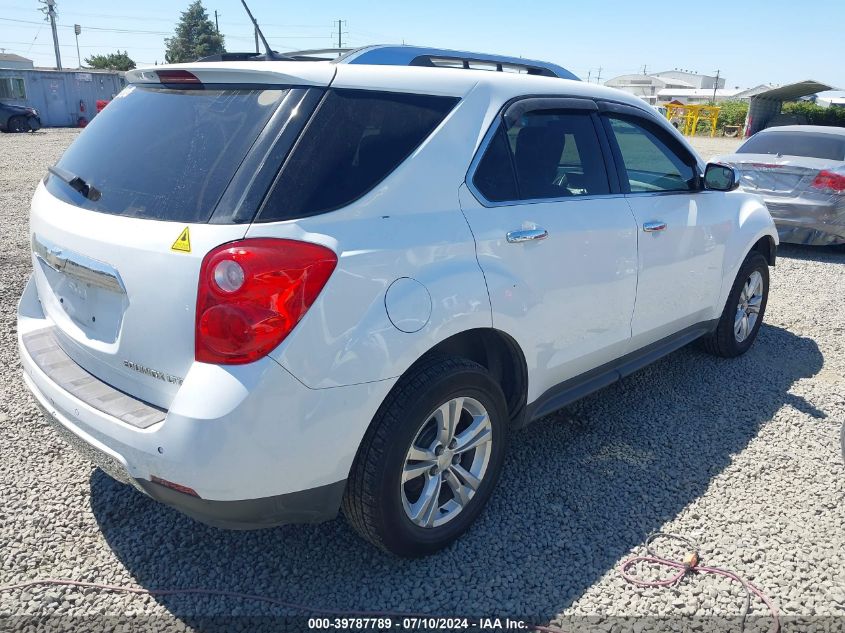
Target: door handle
<point x="527" y="235"/>
<point x="651" y="227"/>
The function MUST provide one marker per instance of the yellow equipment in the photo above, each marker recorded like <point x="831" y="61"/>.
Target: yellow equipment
<point x="687" y="116"/>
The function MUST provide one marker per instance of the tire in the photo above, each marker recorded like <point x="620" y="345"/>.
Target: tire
<point x="724" y="341"/>
<point x="377" y="503"/>
<point x="17" y="124"/>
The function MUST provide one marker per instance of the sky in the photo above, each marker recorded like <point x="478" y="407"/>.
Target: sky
<point x="749" y="42"/>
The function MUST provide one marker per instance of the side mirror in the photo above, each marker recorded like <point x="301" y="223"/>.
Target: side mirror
<point x="719" y="177"/>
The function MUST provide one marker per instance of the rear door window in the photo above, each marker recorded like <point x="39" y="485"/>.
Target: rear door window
<point x="354" y="141"/>
<point x="165" y="154"/>
<point x="807" y="144"/>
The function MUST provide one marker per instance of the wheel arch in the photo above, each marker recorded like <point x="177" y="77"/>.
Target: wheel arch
<point x="753" y="230"/>
<point x="499" y="353"/>
<point x="767" y="247"/>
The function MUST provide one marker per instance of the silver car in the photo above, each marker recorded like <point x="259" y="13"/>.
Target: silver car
<point x="800" y="172"/>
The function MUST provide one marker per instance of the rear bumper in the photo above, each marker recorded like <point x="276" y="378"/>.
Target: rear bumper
<point x="306" y="506"/>
<point x="811" y="222"/>
<point x="257" y="446"/>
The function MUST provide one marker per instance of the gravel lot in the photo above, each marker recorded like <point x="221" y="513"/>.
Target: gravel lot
<point x="742" y="456"/>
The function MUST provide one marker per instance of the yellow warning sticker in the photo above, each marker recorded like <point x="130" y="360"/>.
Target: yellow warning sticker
<point x="183" y="242"/>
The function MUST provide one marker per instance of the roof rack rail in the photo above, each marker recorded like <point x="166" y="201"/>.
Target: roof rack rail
<point x="388" y="55"/>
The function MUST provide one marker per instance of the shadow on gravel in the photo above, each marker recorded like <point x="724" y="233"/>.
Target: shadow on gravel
<point x="821" y="254"/>
<point x="580" y="489"/>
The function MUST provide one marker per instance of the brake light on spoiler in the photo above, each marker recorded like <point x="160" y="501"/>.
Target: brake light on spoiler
<point x="177" y="77"/>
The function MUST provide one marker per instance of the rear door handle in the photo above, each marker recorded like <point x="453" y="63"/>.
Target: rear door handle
<point x="651" y="227"/>
<point x="527" y="235"/>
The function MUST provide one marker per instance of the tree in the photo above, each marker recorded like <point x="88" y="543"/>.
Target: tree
<point x="112" y="61"/>
<point x="195" y="37"/>
<point x="732" y="113"/>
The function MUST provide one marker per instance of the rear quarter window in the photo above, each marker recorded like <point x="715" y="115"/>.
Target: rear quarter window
<point x="354" y="141"/>
<point x="806" y="144"/>
<point x="165" y="154"/>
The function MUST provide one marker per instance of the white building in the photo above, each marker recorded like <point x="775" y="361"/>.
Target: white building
<point x="694" y="96"/>
<point x="683" y="86"/>
<point x="696" y="80"/>
<point x="646" y="87"/>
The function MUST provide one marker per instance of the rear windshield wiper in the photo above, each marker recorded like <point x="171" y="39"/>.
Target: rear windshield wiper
<point x="77" y="183"/>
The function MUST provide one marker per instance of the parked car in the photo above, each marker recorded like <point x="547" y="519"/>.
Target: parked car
<point x="16" y="118"/>
<point x="800" y="172"/>
<point x="295" y="286"/>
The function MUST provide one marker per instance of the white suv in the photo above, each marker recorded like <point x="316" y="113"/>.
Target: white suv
<point x="266" y="290"/>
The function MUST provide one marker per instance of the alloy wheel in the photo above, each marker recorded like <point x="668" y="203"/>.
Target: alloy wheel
<point x="446" y="462"/>
<point x="748" y="308"/>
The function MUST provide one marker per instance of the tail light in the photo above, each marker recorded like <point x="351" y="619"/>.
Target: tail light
<point x="252" y="293"/>
<point x="177" y="77"/>
<point x="830" y="181"/>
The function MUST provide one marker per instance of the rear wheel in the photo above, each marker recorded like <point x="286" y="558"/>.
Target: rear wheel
<point x="430" y="459"/>
<point x="743" y="314"/>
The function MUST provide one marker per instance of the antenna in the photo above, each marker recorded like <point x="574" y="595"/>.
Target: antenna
<point x="269" y="53"/>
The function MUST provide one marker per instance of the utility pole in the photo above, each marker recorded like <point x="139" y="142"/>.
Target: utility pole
<point x="256" y="39"/>
<point x="598" y="76"/>
<point x="216" y="23"/>
<point x="49" y="9"/>
<point x="715" y="85"/>
<point x="589" y="72"/>
<point x="340" y="33"/>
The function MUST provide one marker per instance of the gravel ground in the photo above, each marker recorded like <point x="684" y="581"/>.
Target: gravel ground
<point x="742" y="456"/>
<point x="709" y="147"/>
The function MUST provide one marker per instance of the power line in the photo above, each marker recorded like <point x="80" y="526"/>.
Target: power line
<point x="92" y="28"/>
<point x="37" y="33"/>
<point x="147" y="18"/>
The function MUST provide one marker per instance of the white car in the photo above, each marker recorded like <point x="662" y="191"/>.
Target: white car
<point x="266" y="290"/>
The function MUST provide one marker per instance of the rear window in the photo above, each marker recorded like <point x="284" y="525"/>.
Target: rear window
<point x="165" y="154"/>
<point x="807" y="144"/>
<point x="354" y="141"/>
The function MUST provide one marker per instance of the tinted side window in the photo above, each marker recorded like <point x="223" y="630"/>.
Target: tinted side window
<point x="651" y="164"/>
<point x="494" y="176"/>
<point x="556" y="154"/>
<point x="355" y="140"/>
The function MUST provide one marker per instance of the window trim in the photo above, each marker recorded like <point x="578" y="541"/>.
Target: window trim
<point x="623" y="112"/>
<point x="303" y="134"/>
<point x="243" y="196"/>
<point x="546" y="102"/>
<point x="11" y="81"/>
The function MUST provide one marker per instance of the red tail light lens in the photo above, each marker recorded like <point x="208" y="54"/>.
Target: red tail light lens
<point x="829" y="181"/>
<point x="252" y="293"/>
